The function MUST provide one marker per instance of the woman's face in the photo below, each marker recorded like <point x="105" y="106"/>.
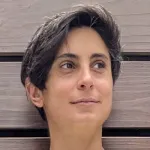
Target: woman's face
<point x="79" y="86"/>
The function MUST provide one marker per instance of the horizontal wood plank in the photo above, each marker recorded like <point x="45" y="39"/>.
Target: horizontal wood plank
<point x="19" y="21"/>
<point x="109" y="143"/>
<point x="131" y="100"/>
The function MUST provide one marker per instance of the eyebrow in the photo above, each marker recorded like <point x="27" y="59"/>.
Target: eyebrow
<point x="68" y="55"/>
<point x="99" y="55"/>
<point x="71" y="55"/>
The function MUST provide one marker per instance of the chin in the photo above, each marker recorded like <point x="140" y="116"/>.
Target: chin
<point x="91" y="118"/>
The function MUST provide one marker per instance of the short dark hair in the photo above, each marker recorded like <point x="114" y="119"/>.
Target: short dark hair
<point x="47" y="40"/>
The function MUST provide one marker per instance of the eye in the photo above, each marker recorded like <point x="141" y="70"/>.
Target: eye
<point x="99" y="65"/>
<point x="68" y="65"/>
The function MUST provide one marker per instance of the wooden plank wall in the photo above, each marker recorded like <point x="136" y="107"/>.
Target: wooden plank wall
<point x="128" y="127"/>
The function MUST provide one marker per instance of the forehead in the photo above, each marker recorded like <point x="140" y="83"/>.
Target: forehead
<point x="83" y="41"/>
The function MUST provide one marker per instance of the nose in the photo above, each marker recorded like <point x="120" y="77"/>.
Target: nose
<point x="85" y="81"/>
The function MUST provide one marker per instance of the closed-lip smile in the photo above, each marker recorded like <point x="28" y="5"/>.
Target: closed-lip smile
<point x="85" y="100"/>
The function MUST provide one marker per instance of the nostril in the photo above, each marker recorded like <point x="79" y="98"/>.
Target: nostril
<point x="82" y="86"/>
<point x="91" y="86"/>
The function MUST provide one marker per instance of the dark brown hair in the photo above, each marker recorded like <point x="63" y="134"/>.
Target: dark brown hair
<point x="45" y="43"/>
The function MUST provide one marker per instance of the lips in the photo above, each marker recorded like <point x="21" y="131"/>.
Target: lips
<point x="85" y="100"/>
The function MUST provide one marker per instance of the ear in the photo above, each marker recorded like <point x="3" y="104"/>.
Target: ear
<point x="34" y="93"/>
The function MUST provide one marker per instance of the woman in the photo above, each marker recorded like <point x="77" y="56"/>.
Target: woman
<point x="69" y="70"/>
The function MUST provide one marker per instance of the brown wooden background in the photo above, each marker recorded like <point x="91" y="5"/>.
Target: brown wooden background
<point x="128" y="127"/>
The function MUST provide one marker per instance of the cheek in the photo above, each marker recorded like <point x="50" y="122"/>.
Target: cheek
<point x="105" y="88"/>
<point x="57" y="97"/>
<point x="62" y="88"/>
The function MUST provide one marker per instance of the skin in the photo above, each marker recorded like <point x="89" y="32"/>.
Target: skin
<point x="81" y="71"/>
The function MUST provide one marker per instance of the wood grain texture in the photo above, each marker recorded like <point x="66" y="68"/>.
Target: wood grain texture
<point x="131" y="100"/>
<point x="19" y="20"/>
<point x="126" y="143"/>
<point x="109" y="143"/>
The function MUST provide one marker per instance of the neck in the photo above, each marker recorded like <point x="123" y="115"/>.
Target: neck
<point x="76" y="138"/>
